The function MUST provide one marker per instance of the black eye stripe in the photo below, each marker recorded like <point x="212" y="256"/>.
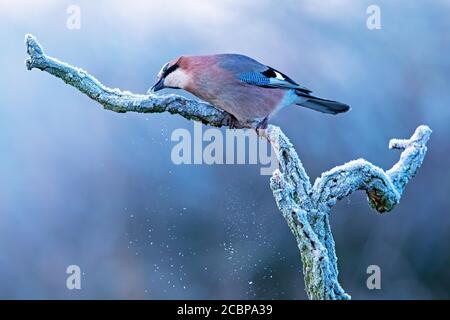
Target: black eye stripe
<point x="171" y="69"/>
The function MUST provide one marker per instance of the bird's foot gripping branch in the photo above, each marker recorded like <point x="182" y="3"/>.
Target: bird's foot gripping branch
<point x="305" y="207"/>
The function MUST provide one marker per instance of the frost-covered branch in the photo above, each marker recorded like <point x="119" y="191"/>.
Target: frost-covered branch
<point x="292" y="191"/>
<point x="306" y="208"/>
<point x="383" y="188"/>
<point x="122" y="101"/>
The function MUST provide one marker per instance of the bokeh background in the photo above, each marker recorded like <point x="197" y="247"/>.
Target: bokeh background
<point x="81" y="185"/>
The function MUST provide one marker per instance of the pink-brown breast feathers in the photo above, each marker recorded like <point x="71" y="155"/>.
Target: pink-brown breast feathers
<point x="224" y="90"/>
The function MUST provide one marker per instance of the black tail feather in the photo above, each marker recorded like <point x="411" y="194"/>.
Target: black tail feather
<point x="322" y="105"/>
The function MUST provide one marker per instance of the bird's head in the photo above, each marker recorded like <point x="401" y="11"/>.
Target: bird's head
<point x="172" y="75"/>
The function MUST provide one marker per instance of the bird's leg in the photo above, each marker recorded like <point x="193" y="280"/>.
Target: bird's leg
<point x="262" y="126"/>
<point x="234" y="123"/>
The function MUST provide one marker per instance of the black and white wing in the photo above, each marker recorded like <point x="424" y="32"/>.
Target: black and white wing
<point x="271" y="78"/>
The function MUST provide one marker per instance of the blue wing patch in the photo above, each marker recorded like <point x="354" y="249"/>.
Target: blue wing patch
<point x="254" y="78"/>
<point x="271" y="78"/>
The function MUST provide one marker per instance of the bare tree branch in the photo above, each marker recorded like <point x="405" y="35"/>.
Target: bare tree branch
<point x="291" y="189"/>
<point x="383" y="189"/>
<point x="305" y="208"/>
<point x="411" y="158"/>
<point x="122" y="101"/>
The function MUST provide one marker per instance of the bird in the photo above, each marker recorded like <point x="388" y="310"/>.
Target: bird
<point x="243" y="87"/>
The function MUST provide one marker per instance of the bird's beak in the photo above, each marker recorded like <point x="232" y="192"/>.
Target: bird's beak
<point x="158" y="85"/>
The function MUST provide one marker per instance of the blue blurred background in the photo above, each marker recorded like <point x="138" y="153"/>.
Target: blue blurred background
<point x="81" y="185"/>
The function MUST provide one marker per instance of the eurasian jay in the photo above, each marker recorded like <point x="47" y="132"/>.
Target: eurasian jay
<point x="241" y="86"/>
